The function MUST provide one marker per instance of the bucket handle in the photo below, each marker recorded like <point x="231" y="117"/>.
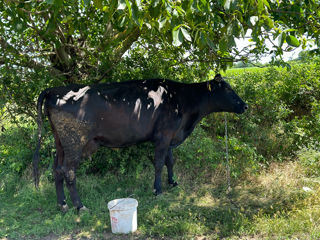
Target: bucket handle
<point x="122" y="201"/>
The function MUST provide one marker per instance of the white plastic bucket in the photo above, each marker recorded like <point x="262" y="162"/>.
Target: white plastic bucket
<point x="123" y="215"/>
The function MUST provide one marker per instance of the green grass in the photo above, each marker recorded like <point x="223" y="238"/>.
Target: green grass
<point x="271" y="205"/>
<point x="238" y="71"/>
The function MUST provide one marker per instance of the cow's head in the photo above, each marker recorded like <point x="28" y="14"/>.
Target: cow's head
<point x="225" y="98"/>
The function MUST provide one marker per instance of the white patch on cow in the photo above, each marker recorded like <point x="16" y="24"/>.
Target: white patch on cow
<point x="82" y="111"/>
<point x="157" y="96"/>
<point x="137" y="108"/>
<point x="76" y="95"/>
<point x="149" y="105"/>
<point x="124" y="99"/>
<point x="60" y="102"/>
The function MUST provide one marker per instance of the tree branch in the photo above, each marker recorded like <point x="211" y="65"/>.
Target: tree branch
<point x="126" y="44"/>
<point x="120" y="50"/>
<point x="25" y="59"/>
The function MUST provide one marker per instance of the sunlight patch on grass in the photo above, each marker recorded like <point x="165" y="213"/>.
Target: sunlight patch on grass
<point x="206" y="201"/>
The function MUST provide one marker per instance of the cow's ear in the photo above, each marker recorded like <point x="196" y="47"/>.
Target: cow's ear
<point x="218" y="78"/>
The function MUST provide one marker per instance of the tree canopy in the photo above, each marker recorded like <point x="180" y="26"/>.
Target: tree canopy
<point x="48" y="42"/>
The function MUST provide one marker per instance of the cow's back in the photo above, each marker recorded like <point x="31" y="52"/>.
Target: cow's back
<point x="115" y="115"/>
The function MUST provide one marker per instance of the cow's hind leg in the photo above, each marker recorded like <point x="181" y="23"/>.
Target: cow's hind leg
<point x="59" y="175"/>
<point x="71" y="162"/>
<point x="169" y="163"/>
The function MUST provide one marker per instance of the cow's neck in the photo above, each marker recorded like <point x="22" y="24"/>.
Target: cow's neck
<point x="197" y="99"/>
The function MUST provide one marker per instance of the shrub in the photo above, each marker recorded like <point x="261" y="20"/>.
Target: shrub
<point x="132" y="159"/>
<point x="284" y="110"/>
<point x="309" y="157"/>
<point x="200" y="151"/>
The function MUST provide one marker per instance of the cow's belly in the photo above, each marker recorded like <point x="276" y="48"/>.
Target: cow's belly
<point x="122" y="130"/>
<point x="121" y="137"/>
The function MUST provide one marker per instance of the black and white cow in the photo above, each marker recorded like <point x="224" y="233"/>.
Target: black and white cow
<point x="121" y="114"/>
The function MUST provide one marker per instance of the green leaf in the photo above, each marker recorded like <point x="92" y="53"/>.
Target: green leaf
<point x="231" y="42"/>
<point x="135" y="14"/>
<point x="292" y="41"/>
<point x="98" y="3"/>
<point x="202" y="40"/>
<point x="67" y="19"/>
<point x="123" y="21"/>
<point x="129" y="8"/>
<point x="223" y="45"/>
<point x="155" y="3"/>
<point x="186" y="34"/>
<point x="266" y="3"/>
<point x="86" y="2"/>
<point x="177" y="37"/>
<point x="268" y="23"/>
<point x="58" y="3"/>
<point x="162" y="22"/>
<point x="211" y="44"/>
<point x="260" y="5"/>
<point x="281" y="39"/>
<point x="121" y="5"/>
<point x="227" y="4"/>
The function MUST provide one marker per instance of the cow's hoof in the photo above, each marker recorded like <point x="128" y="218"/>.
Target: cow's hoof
<point x="174" y="184"/>
<point x="156" y="192"/>
<point x="83" y="209"/>
<point x="63" y="207"/>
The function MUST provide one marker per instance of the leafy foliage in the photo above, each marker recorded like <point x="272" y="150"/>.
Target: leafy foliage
<point x="309" y="157"/>
<point x="283" y="113"/>
<point x="85" y="41"/>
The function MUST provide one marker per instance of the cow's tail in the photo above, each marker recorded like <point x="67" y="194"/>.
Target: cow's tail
<point x="36" y="156"/>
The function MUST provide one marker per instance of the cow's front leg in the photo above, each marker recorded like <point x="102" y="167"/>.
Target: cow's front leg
<point x="160" y="155"/>
<point x="169" y="163"/>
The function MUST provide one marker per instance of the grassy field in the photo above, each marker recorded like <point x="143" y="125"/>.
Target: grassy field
<point x="238" y="71"/>
<point x="280" y="202"/>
